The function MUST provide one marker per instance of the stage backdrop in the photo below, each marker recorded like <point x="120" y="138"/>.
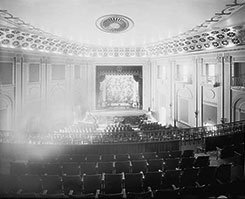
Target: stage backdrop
<point x="119" y="87"/>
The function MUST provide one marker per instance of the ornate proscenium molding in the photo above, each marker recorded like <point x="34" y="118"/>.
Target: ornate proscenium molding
<point x="120" y="70"/>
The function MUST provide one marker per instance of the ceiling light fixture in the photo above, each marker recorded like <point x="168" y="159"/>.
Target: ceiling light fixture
<point x="114" y="23"/>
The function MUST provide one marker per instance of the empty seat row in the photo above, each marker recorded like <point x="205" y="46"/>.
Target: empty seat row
<point x="134" y="166"/>
<point x="122" y="185"/>
<point x="113" y="157"/>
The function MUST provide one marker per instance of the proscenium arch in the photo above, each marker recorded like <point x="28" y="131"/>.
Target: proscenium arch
<point x="135" y="70"/>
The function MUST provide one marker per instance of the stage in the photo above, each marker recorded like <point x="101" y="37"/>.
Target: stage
<point x="110" y="116"/>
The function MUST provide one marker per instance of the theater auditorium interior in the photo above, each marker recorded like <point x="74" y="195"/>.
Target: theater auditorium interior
<point x="117" y="99"/>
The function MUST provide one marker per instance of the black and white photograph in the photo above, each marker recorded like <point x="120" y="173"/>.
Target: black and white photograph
<point x="133" y="99"/>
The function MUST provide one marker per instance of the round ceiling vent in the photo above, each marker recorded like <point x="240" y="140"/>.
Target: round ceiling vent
<point x="114" y="23"/>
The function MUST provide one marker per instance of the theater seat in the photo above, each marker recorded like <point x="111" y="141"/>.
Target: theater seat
<point x="88" y="168"/>
<point x="168" y="194"/>
<point x="171" y="179"/>
<point x="93" y="158"/>
<point x="153" y="180"/>
<point x="155" y="164"/>
<point x="52" y="169"/>
<point x="186" y="163"/>
<point x="134" y="186"/>
<point x="71" y="168"/>
<point x="105" y="167"/>
<point x="222" y="184"/>
<point x="29" y="186"/>
<point x="91" y="185"/>
<point x="187" y="153"/>
<point x="171" y="163"/>
<point x="188" y="180"/>
<point x="63" y="158"/>
<point x="139" y="166"/>
<point x="8" y="186"/>
<point x="77" y="158"/>
<point x="206" y="176"/>
<point x="175" y="154"/>
<point x="201" y="161"/>
<point x="136" y="156"/>
<point x="72" y="184"/>
<point x="149" y="155"/>
<point x="107" y="158"/>
<point x="34" y="168"/>
<point x="163" y="154"/>
<point x="112" y="186"/>
<point x="122" y="157"/>
<point x="223" y="174"/>
<point x="123" y="166"/>
<point x="18" y="168"/>
<point x="52" y="187"/>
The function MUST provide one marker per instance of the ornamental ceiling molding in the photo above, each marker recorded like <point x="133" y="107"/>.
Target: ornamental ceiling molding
<point x="20" y="35"/>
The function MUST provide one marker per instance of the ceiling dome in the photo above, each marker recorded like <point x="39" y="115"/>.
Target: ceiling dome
<point x="114" y="23"/>
<point x="75" y="31"/>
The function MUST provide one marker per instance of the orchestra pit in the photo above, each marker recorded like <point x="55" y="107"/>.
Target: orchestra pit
<point x="131" y="99"/>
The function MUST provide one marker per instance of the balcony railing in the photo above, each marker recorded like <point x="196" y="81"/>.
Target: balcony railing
<point x="183" y="135"/>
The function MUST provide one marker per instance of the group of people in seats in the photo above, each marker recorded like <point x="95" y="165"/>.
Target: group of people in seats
<point x="134" y="120"/>
<point x="117" y="128"/>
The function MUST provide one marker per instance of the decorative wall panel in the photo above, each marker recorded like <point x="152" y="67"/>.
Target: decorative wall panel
<point x="209" y="114"/>
<point x="34" y="93"/>
<point x="33" y="72"/>
<point x="183" y="110"/>
<point x="6" y="73"/>
<point x="58" y="72"/>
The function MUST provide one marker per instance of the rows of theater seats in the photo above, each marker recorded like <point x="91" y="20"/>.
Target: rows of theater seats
<point x="151" y="126"/>
<point x="80" y="128"/>
<point x="109" y="163"/>
<point x="118" y="127"/>
<point x="124" y="176"/>
<point x="200" y="182"/>
<point x="153" y="133"/>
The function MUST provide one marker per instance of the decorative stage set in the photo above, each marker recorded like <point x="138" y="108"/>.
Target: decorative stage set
<point x="118" y="97"/>
<point x="118" y="94"/>
<point x="119" y="87"/>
